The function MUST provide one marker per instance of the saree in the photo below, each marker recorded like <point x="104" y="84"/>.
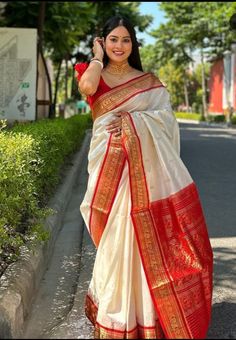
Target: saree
<point x="152" y="275"/>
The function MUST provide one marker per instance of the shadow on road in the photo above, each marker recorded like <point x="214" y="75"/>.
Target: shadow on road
<point x="223" y="325"/>
<point x="225" y="266"/>
<point x="208" y="154"/>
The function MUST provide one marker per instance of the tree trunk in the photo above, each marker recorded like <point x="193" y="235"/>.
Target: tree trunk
<point x="186" y="92"/>
<point x="204" y="102"/>
<point x="66" y="80"/>
<point x="51" y="112"/>
<point x="56" y="86"/>
<point x="73" y="81"/>
<point x="41" y="18"/>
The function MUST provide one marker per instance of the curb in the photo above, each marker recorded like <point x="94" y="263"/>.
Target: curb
<point x="21" y="279"/>
<point x="220" y="125"/>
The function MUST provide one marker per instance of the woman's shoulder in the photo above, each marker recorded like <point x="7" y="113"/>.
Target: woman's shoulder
<point x="151" y="74"/>
<point x="137" y="73"/>
<point x="154" y="76"/>
<point x="155" y="79"/>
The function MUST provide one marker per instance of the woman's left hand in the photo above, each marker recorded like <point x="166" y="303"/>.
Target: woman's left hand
<point x="115" y="126"/>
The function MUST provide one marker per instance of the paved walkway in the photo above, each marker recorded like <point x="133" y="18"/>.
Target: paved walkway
<point x="59" y="301"/>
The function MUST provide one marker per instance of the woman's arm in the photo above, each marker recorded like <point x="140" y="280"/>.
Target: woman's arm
<point x="89" y="81"/>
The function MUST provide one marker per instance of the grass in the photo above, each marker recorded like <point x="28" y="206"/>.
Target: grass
<point x="188" y="115"/>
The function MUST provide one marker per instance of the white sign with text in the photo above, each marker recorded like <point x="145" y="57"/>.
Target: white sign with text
<point x="18" y="69"/>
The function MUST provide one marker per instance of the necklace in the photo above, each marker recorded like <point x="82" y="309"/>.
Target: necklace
<point x="118" y="69"/>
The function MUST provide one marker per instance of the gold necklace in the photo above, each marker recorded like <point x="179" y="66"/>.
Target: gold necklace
<point x="118" y="69"/>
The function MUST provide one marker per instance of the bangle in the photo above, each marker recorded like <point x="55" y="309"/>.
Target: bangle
<point x="95" y="58"/>
<point x="97" y="61"/>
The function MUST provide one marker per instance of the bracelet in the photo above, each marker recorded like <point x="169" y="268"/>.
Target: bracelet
<point x="97" y="61"/>
<point x="95" y="58"/>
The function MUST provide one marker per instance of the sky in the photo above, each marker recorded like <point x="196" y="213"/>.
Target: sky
<point x="159" y="17"/>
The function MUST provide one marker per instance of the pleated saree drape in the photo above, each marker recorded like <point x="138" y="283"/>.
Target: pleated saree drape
<point x="152" y="276"/>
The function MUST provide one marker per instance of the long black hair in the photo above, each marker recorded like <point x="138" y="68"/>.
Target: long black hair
<point x="118" y="20"/>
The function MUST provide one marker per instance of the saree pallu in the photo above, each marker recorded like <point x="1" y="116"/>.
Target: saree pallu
<point x="152" y="275"/>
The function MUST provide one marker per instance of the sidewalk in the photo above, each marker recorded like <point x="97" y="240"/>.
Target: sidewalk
<point x="21" y="280"/>
<point x="220" y="125"/>
<point x="60" y="291"/>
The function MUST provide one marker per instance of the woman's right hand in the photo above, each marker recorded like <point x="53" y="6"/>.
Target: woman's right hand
<point x="98" y="51"/>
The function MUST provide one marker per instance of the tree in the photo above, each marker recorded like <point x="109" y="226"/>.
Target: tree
<point x="190" y="26"/>
<point x="172" y="78"/>
<point x="57" y="23"/>
<point x="67" y="25"/>
<point x="148" y="58"/>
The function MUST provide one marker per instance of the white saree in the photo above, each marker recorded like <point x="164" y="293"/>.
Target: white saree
<point x="152" y="276"/>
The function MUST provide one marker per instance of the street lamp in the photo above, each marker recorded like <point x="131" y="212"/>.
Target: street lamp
<point x="228" y="83"/>
<point x="231" y="105"/>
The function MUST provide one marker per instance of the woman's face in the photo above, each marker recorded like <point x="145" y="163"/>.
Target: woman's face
<point x="118" y="44"/>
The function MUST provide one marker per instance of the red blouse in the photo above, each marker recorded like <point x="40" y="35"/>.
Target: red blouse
<point x="102" y="86"/>
<point x="148" y="81"/>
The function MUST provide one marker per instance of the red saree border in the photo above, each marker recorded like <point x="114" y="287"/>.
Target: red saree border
<point x="103" y="332"/>
<point x="120" y="94"/>
<point x="126" y="82"/>
<point x="133" y="95"/>
<point x="146" y="220"/>
<point x="172" y="292"/>
<point x="106" y="188"/>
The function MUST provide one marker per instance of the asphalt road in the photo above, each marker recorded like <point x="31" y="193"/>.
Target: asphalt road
<point x="210" y="156"/>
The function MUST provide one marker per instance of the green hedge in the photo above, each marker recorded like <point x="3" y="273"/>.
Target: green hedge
<point x="57" y="139"/>
<point x="233" y="119"/>
<point x="32" y="156"/>
<point x="219" y="118"/>
<point x="216" y="118"/>
<point x="188" y="115"/>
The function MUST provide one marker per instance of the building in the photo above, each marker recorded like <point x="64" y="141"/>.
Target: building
<point x="222" y="84"/>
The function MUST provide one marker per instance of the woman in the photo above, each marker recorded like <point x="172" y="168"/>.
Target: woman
<point x="152" y="276"/>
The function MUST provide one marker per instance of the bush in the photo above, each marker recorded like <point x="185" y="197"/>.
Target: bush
<point x="216" y="118"/>
<point x="19" y="168"/>
<point x="233" y="119"/>
<point x="31" y="158"/>
<point x="58" y="138"/>
<point x="188" y="115"/>
<point x="195" y="107"/>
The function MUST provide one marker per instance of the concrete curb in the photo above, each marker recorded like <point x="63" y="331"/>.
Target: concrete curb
<point x="21" y="279"/>
<point x="220" y="125"/>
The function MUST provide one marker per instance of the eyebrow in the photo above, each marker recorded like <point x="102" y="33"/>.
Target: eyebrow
<point x="115" y="36"/>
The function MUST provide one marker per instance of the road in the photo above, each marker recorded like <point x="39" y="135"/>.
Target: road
<point x="209" y="155"/>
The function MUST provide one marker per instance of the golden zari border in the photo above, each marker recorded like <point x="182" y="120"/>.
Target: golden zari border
<point x="102" y="332"/>
<point x="105" y="191"/>
<point x="159" y="281"/>
<point x="119" y="94"/>
<point x="174" y="247"/>
<point x="180" y="224"/>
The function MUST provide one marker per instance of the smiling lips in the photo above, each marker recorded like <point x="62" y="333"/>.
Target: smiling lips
<point x="118" y="52"/>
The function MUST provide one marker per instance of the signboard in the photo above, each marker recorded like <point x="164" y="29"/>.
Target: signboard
<point x="18" y="70"/>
